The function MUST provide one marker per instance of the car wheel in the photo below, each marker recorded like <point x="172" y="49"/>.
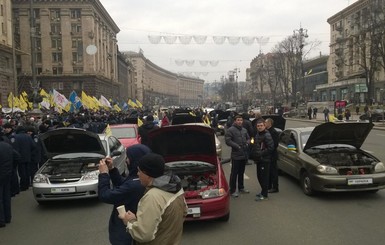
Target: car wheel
<point x="306" y="184"/>
<point x="225" y="218"/>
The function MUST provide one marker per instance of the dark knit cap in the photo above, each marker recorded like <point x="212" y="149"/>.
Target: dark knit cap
<point x="149" y="118"/>
<point x="152" y="165"/>
<point x="7" y="125"/>
<point x="134" y="154"/>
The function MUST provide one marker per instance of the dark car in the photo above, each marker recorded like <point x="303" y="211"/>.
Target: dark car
<point x="190" y="152"/>
<point x="329" y="158"/>
<point x="377" y="116"/>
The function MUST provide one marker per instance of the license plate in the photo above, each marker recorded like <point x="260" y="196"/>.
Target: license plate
<point x="195" y="211"/>
<point x="63" y="190"/>
<point x="360" y="181"/>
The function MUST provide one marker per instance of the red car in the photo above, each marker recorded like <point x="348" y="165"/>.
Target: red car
<point x="126" y="133"/>
<point x="190" y="152"/>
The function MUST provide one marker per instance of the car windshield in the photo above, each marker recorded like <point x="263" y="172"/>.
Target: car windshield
<point x="304" y="137"/>
<point x="123" y="132"/>
<point x="104" y="143"/>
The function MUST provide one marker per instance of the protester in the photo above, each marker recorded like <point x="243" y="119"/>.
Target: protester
<point x="326" y="114"/>
<point x="238" y="139"/>
<point x="347" y="114"/>
<point x="147" y="127"/>
<point x="165" y="121"/>
<point x="315" y="110"/>
<point x="162" y="209"/>
<point x="309" y="112"/>
<point x="273" y="177"/>
<point x="124" y="191"/>
<point x="262" y="154"/>
<point x="7" y="154"/>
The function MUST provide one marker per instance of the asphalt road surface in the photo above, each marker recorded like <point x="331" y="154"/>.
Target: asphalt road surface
<point x="288" y="217"/>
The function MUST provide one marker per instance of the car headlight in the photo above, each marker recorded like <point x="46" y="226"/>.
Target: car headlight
<point x="91" y="175"/>
<point x="40" y="178"/>
<point x="380" y="167"/>
<point x="326" y="169"/>
<point x="213" y="193"/>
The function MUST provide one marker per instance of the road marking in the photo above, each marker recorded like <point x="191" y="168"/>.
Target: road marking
<point x="380" y="134"/>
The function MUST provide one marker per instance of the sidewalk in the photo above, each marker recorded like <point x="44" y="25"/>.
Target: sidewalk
<point x="320" y="119"/>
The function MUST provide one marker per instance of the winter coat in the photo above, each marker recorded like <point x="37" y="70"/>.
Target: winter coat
<point x="25" y="146"/>
<point x="126" y="191"/>
<point x="263" y="148"/>
<point x="144" y="130"/>
<point x="237" y="138"/>
<point x="161" y="213"/>
<point x="6" y="161"/>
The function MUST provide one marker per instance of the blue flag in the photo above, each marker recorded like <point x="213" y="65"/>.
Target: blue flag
<point x="75" y="100"/>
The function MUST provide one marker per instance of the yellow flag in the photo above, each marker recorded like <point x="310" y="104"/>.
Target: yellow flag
<point x="140" y="122"/>
<point x="107" y="131"/>
<point x="132" y="103"/>
<point x="10" y="100"/>
<point x="138" y="103"/>
<point x="117" y="108"/>
<point x="43" y="93"/>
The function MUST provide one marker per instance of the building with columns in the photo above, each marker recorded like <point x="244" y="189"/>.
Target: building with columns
<point x="157" y="86"/>
<point x="70" y="44"/>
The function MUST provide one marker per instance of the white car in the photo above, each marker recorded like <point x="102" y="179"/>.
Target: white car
<point x="71" y="171"/>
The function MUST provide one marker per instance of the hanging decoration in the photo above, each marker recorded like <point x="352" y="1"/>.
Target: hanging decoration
<point x="179" y="62"/>
<point x="203" y="62"/>
<point x="201" y="39"/>
<point x="214" y="62"/>
<point x="190" y="62"/>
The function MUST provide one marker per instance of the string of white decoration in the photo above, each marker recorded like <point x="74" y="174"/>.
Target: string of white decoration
<point x="185" y="39"/>
<point x="233" y="40"/>
<point x="248" y="40"/>
<point x="214" y="62"/>
<point x="203" y="62"/>
<point x="200" y="39"/>
<point x="179" y="62"/>
<point x="219" y="39"/>
<point x="190" y="62"/>
<point x="170" y="39"/>
<point x="154" y="39"/>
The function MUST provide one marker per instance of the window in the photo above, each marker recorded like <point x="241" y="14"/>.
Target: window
<point x="77" y="85"/>
<point x="55" y="14"/>
<point x="57" y="57"/>
<point x="56" y="42"/>
<point x="78" y="70"/>
<point x="76" y="28"/>
<point x="1" y="10"/>
<point x="77" y="57"/>
<point x="38" y="57"/>
<point x="36" y="13"/>
<point x="75" y="13"/>
<point x="77" y="42"/>
<point x="55" y="28"/>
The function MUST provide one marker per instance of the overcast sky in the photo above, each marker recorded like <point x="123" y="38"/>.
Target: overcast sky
<point x="272" y="19"/>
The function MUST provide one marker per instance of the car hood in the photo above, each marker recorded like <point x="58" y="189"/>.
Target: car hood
<point x="71" y="140"/>
<point x="347" y="133"/>
<point x="184" y="142"/>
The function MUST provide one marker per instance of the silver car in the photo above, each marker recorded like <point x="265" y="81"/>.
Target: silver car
<point x="71" y="171"/>
<point x="329" y="158"/>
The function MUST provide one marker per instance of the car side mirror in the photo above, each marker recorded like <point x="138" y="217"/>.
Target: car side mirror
<point x="115" y="153"/>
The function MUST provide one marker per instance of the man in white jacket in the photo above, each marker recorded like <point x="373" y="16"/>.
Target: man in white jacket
<point x="162" y="209"/>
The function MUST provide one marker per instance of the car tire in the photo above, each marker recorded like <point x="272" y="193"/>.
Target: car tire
<point x="306" y="184"/>
<point x="225" y="218"/>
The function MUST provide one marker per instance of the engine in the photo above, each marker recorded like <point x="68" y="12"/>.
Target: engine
<point x="193" y="185"/>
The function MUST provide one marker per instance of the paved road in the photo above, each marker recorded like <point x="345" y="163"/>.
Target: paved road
<point x="288" y="217"/>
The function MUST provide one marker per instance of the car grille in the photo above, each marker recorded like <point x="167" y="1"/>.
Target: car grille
<point x="56" y="180"/>
<point x="355" y="171"/>
<point x="76" y="194"/>
<point x="350" y="187"/>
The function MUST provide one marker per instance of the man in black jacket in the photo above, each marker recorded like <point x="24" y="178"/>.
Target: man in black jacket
<point x="238" y="139"/>
<point x="6" y="162"/>
<point x="273" y="180"/>
<point x="146" y="128"/>
<point x="262" y="154"/>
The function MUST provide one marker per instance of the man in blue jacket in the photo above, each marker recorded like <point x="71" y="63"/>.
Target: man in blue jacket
<point x="125" y="191"/>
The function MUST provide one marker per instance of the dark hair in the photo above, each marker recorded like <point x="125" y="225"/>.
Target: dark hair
<point x="260" y="120"/>
<point x="237" y="116"/>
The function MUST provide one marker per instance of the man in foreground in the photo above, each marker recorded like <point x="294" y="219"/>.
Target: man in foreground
<point x="162" y="209"/>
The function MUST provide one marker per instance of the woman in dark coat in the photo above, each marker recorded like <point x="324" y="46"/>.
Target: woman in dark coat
<point x="125" y="191"/>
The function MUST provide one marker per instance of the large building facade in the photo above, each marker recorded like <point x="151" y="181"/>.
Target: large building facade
<point x="353" y="55"/>
<point x="157" y="86"/>
<point x="7" y="79"/>
<point x="67" y="45"/>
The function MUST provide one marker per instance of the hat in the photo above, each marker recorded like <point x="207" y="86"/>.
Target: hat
<point x="152" y="165"/>
<point x="149" y="118"/>
<point x="134" y="154"/>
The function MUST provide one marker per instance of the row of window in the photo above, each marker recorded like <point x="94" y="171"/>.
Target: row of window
<point x="55" y="13"/>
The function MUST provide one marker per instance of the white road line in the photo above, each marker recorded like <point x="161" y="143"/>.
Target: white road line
<point x="380" y="134"/>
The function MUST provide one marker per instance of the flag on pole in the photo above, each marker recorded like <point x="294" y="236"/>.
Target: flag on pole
<point x="140" y="122"/>
<point x="59" y="99"/>
<point x="137" y="102"/>
<point x="104" y="101"/>
<point x="132" y="103"/>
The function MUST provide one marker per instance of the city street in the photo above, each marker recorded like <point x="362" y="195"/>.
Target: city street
<point x="288" y="217"/>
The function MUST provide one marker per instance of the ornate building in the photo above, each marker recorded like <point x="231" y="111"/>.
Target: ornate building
<point x="157" y="86"/>
<point x="70" y="44"/>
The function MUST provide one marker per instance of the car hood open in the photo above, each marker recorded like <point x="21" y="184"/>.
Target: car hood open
<point x="347" y="133"/>
<point x="181" y="142"/>
<point x="71" y="140"/>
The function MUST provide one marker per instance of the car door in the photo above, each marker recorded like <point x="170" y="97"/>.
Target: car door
<point x="119" y="161"/>
<point x="288" y="154"/>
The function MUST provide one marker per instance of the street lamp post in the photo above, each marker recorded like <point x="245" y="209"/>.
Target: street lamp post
<point x="301" y="34"/>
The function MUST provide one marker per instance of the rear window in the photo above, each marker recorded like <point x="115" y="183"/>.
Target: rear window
<point x="123" y="132"/>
